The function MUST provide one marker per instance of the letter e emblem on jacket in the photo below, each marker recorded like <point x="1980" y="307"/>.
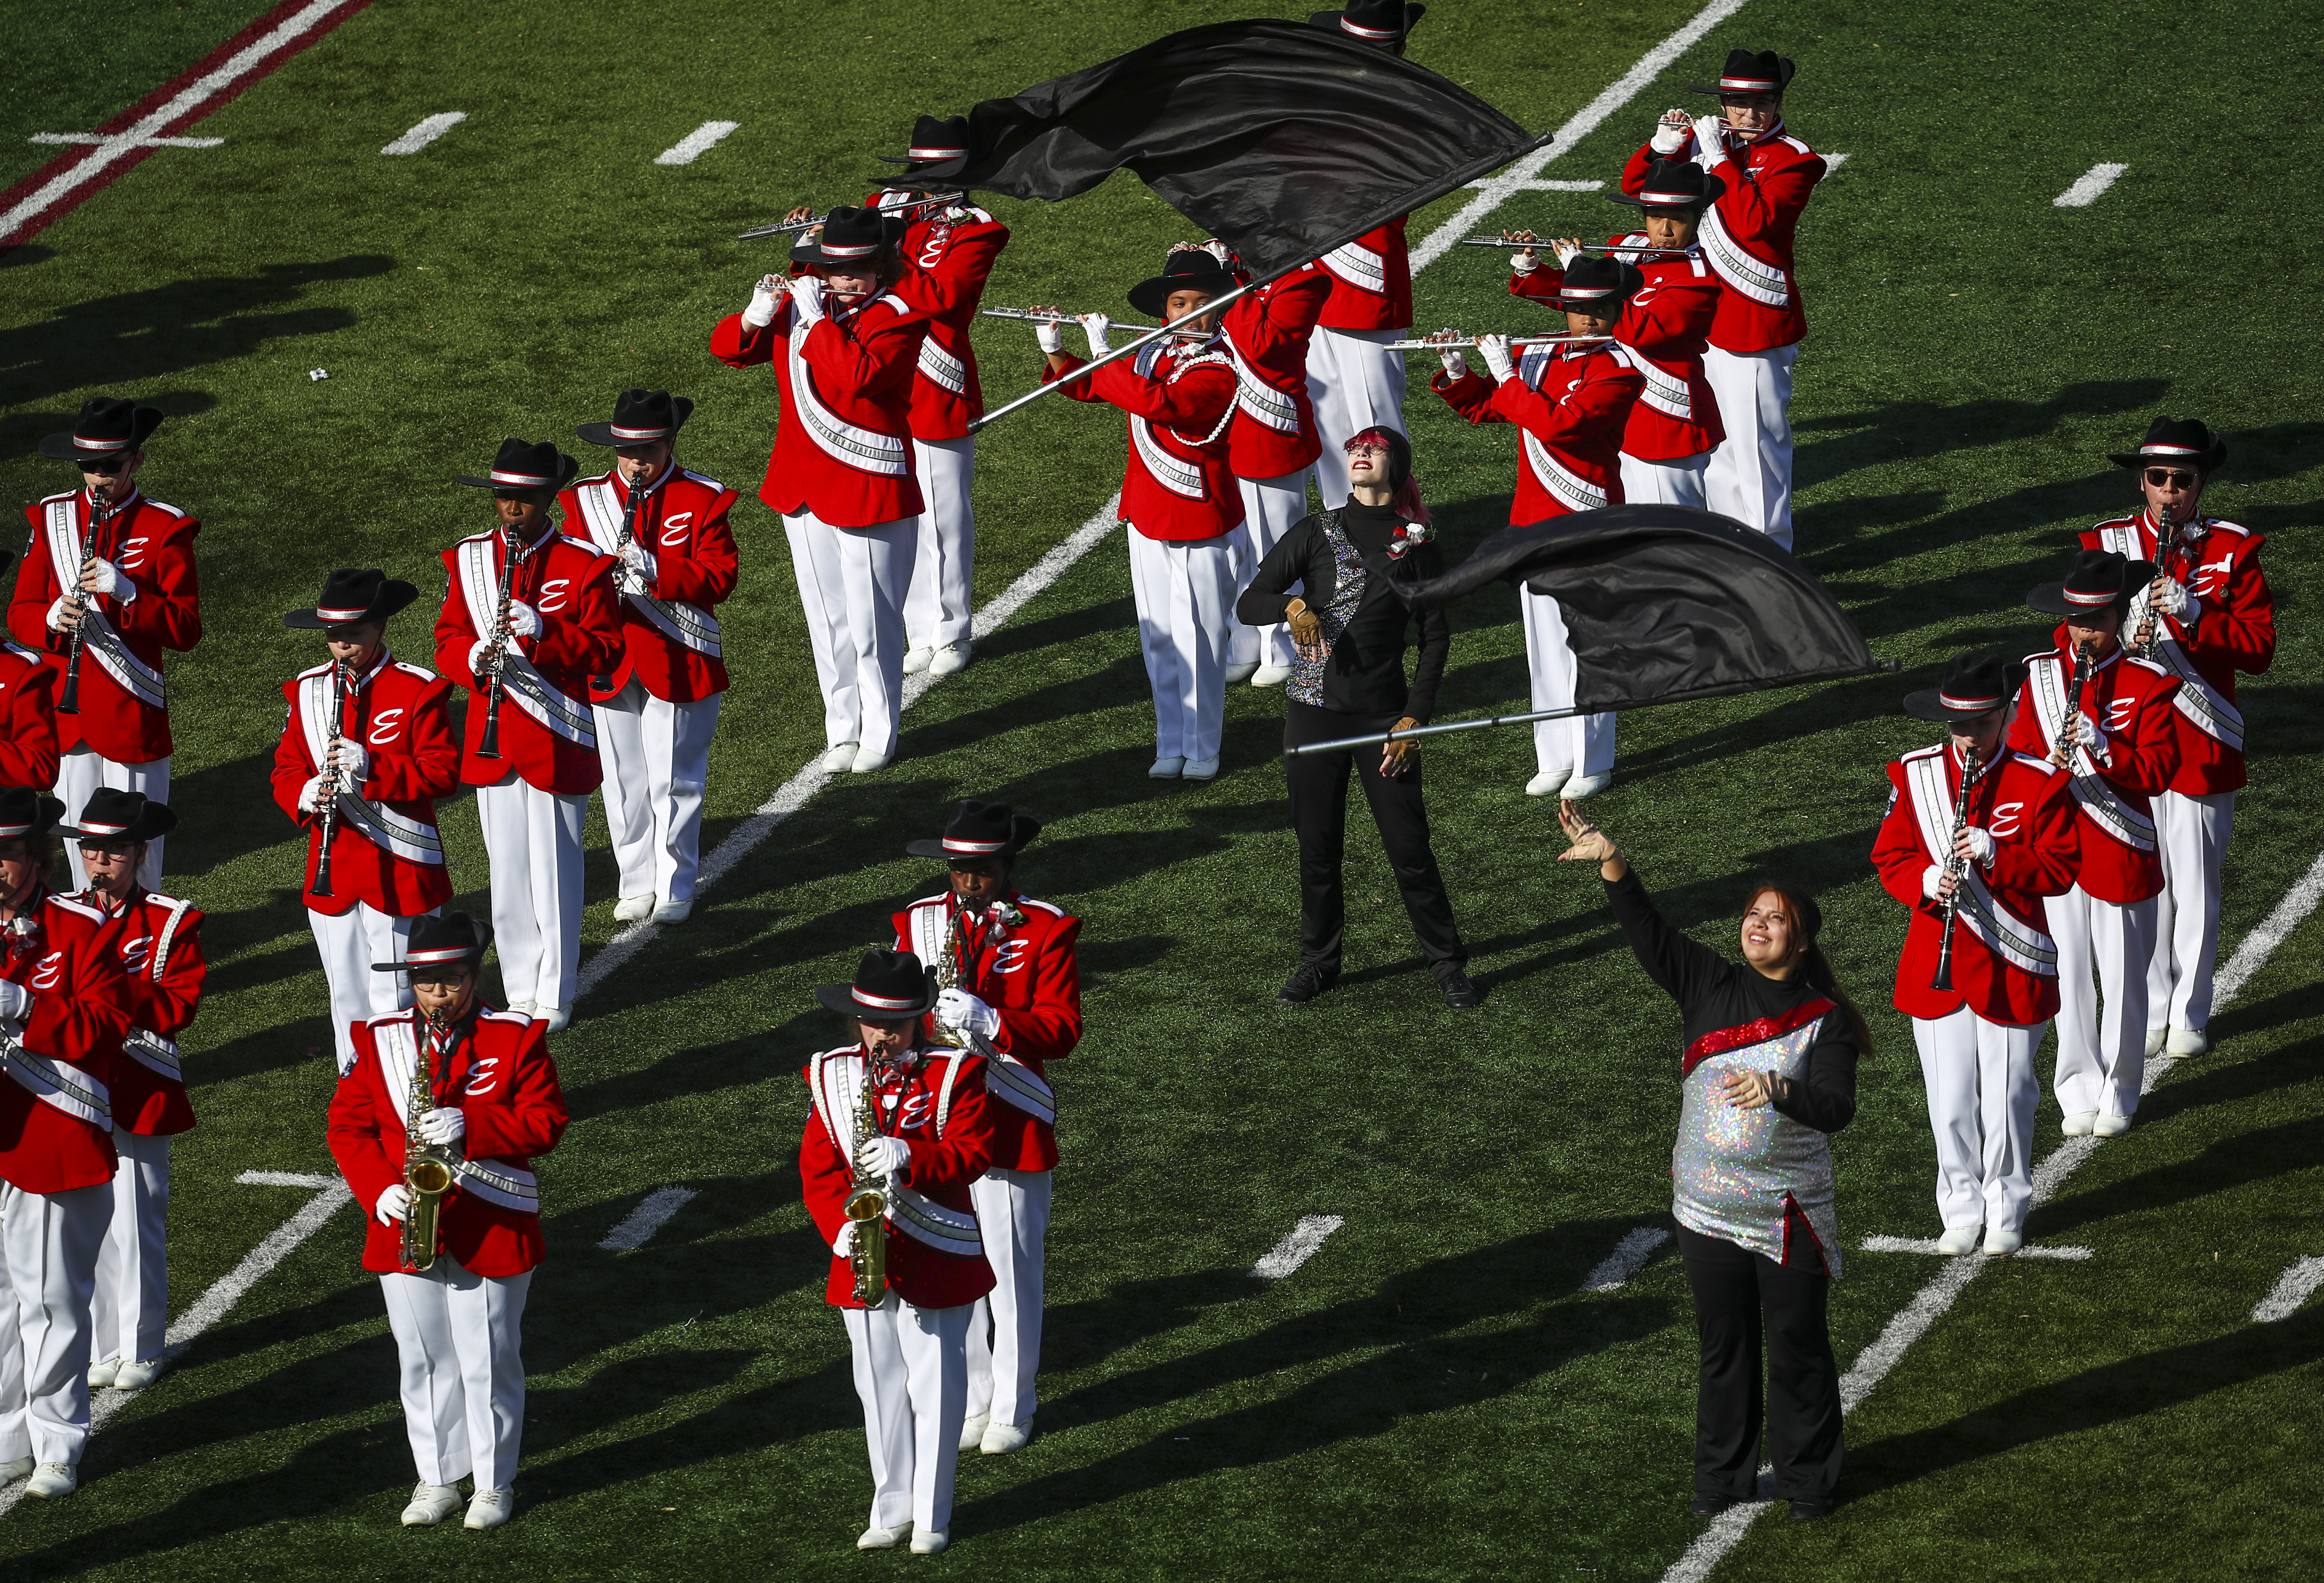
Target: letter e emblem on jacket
<point x="916" y="1113"/>
<point x="553" y="593"/>
<point x="132" y="553"/>
<point x="674" y="527"/>
<point x="2006" y="817"/>
<point x="2118" y="713"/>
<point x="383" y="726"/>
<point x="483" y="1075"/>
<point x="1011" y="956"/>
<point x="51" y="969"/>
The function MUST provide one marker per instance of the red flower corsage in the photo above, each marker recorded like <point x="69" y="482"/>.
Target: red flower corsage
<point x="1408" y="536"/>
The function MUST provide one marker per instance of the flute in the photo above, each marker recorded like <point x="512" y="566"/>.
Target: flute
<point x="1058" y="316"/>
<point x="785" y="227"/>
<point x="1514" y="341"/>
<point x="1542" y="242"/>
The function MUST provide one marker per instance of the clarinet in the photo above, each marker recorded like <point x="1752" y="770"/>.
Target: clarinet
<point x="2064" y="754"/>
<point x="629" y="514"/>
<point x="100" y="518"/>
<point x="2166" y="536"/>
<point x="489" y="745"/>
<point x="331" y="811"/>
<point x="1972" y="772"/>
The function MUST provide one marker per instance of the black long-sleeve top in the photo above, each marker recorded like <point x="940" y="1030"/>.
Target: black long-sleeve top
<point x="1715" y="992"/>
<point x="1365" y="674"/>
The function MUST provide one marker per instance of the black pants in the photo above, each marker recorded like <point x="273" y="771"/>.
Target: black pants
<point x="1737" y="1294"/>
<point x="1319" y="810"/>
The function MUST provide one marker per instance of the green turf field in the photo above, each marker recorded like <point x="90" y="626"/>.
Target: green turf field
<point x="1431" y="1395"/>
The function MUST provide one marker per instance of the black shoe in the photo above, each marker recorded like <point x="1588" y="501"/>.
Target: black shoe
<point x="1804" y="1511"/>
<point x="1311" y="980"/>
<point x="1711" y="1506"/>
<point x="1460" y="995"/>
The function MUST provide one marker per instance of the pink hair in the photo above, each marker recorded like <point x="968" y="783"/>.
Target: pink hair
<point x="1405" y="502"/>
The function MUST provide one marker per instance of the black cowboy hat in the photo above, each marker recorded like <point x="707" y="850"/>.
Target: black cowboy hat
<point x="1384" y="22"/>
<point x="980" y="829"/>
<point x="2188" y="441"/>
<point x="1594" y="279"/>
<point x="938" y="148"/>
<point x="436" y="942"/>
<point x="351" y="597"/>
<point x="27" y="813"/>
<point x="849" y="234"/>
<point x="890" y="987"/>
<point x="524" y="464"/>
<point x="1765" y="72"/>
<point x="1972" y="685"/>
<point x="1190" y="269"/>
<point x="111" y="814"/>
<point x="108" y="427"/>
<point x="1673" y="184"/>
<point x="2095" y="579"/>
<point x="641" y="417"/>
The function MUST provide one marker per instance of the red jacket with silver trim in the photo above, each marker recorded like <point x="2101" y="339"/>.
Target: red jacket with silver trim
<point x="55" y="1117"/>
<point x="2230" y="627"/>
<point x="2114" y="782"/>
<point x="1180" y="484"/>
<point x="149" y="1092"/>
<point x="388" y="856"/>
<point x="2005" y="963"/>
<point x="1663" y="329"/>
<point x="844" y="448"/>
<point x="1372" y="280"/>
<point x="1571" y="407"/>
<point x="28" y="718"/>
<point x="950" y="263"/>
<point x="549" y="734"/>
<point x="502" y="1082"/>
<point x="1028" y="973"/>
<point x="125" y="714"/>
<point x="670" y="630"/>
<point x="945" y="1160"/>
<point x="1747" y="234"/>
<point x="1267" y="334"/>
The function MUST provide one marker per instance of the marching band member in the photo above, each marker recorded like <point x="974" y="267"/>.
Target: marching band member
<point x="378" y="768"/>
<point x="1766" y="176"/>
<point x="928" y="1138"/>
<point x="478" y="1088"/>
<point x="158" y="941"/>
<point x="2105" y="717"/>
<point x="841" y="475"/>
<point x="124" y="583"/>
<point x="544" y="600"/>
<point x="63" y="1014"/>
<point x="28" y="712"/>
<point x="1350" y="682"/>
<point x="1188" y="550"/>
<point x="657" y="709"/>
<point x="1571" y="406"/>
<point x="2208" y="614"/>
<point x="1977" y="858"/>
<point x="1016" y="999"/>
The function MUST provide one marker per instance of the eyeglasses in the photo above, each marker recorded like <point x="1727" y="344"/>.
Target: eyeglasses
<point x="1367" y="450"/>
<point x="2162" y="477"/>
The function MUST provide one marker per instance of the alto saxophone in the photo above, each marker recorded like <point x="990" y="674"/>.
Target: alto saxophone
<point x="427" y="1167"/>
<point x="867" y="1203"/>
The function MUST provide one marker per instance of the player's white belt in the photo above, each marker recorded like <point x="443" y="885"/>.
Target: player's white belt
<point x="1664" y="392"/>
<point x="75" y="1092"/>
<point x="405" y="836"/>
<point x="2097" y="798"/>
<point x="2005" y="934"/>
<point x="1360" y="266"/>
<point x="942" y="368"/>
<point x="1263" y="401"/>
<point x="1005" y="1078"/>
<point x="98" y="639"/>
<point x="1762" y="283"/>
<point x="154" y="1053"/>
<point x="1174" y="473"/>
<point x="2206" y="708"/>
<point x="923" y="1219"/>
<point x="1577" y="492"/>
<point x="866" y="450"/>
<point x="688" y="624"/>
<point x="500" y="1184"/>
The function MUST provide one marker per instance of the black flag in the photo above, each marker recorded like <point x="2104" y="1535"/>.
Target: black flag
<point x="1284" y="140"/>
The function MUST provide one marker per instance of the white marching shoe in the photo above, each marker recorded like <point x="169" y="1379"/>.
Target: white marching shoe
<point x="2078" y="1122"/>
<point x="14" y="1469"/>
<point x="1999" y="1244"/>
<point x="2110" y="1127"/>
<point x="2155" y="1040"/>
<point x="948" y="661"/>
<point x="1549" y="782"/>
<point x="137" y="1375"/>
<point x="53" y="1481"/>
<point x="917" y="661"/>
<point x="868" y="760"/>
<point x="631" y="909"/>
<point x="928" y="1542"/>
<point x="972" y="1430"/>
<point x="1241" y="671"/>
<point x="1270" y="676"/>
<point x="2188" y="1042"/>
<point x="1165" y="769"/>
<point x="489" y="1508"/>
<point x="882" y="1538"/>
<point x="431" y="1505"/>
<point x="558" y="1018"/>
<point x="1199" y="768"/>
<point x="1960" y="1239"/>
<point x="1000" y="1438"/>
<point x="674" y="911"/>
<point x="1582" y="786"/>
<point x="100" y="1375"/>
<point x="838" y="758"/>
<point x="522" y="1008"/>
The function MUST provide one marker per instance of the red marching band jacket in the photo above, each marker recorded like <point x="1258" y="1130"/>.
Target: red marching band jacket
<point x="1026" y="972"/>
<point x="1747" y="234"/>
<point x="844" y="448"/>
<point x="935" y="1257"/>
<point x="385" y="850"/>
<point x="1372" y="280"/>
<point x="124" y="712"/>
<point x="1180" y="484"/>
<point x="671" y="638"/>
<point x="28" y="718"/>
<point x="2230" y="627"/>
<point x="2137" y="753"/>
<point x="549" y="734"/>
<point x="1273" y="433"/>
<point x="157" y="940"/>
<point x="501" y="1080"/>
<point x="1571" y="407"/>
<point x="1661" y="334"/>
<point x="56" y="1104"/>
<point x="950" y="262"/>
<point x="2004" y="963"/>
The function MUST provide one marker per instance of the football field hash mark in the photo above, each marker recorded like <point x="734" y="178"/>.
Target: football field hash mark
<point x="2085" y="191"/>
<point x="1629" y="1256"/>
<point x="637" y="1228"/>
<point x="101" y="139"/>
<point x="2298" y="1284"/>
<point x="696" y="143"/>
<point x="1928" y="1244"/>
<point x="1297" y="1248"/>
<point x="426" y="132"/>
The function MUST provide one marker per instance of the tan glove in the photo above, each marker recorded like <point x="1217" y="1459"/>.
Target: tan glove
<point x="1305" y="630"/>
<point x="1395" y="757"/>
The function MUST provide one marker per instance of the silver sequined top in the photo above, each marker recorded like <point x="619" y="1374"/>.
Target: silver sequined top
<point x="1306" y="683"/>
<point x="1732" y="1168"/>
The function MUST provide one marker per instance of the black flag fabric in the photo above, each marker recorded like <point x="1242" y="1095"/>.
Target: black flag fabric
<point x="1284" y="140"/>
<point x="1666" y="602"/>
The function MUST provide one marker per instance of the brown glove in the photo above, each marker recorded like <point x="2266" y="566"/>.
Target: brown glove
<point x="1397" y="757"/>
<point x="1305" y="630"/>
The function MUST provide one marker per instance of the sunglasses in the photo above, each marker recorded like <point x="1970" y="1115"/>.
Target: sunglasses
<point x="2163" y="476"/>
<point x="106" y="466"/>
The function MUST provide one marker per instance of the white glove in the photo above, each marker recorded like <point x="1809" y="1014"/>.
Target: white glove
<point x="2174" y="600"/>
<point x="395" y="1203"/>
<point x="956" y="1008"/>
<point x="1052" y="337"/>
<point x="1456" y="366"/>
<point x="766" y="302"/>
<point x="1097" y="324"/>
<point x="354" y="762"/>
<point x="477" y="653"/>
<point x="57" y="615"/>
<point x="15" y="1001"/>
<point x="443" y="1125"/>
<point x="2087" y="734"/>
<point x="316" y="791"/>
<point x="883" y="1155"/>
<point x="1931" y="878"/>
<point x="1980" y="844"/>
<point x="1523" y="261"/>
<point x="807" y="299"/>
<point x="1566" y="255"/>
<point x="643" y="563"/>
<point x="961" y="213"/>
<point x="524" y="620"/>
<point x="1495" y="351"/>
<point x="844" y="1246"/>
<point x="1671" y="132"/>
<point x="1710" y="141"/>
<point x="109" y="581"/>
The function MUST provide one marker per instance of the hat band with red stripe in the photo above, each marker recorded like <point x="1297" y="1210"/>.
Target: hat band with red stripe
<point x="89" y="826"/>
<point x="952" y="844"/>
<point x="1668" y="197"/>
<point x="340" y="615"/>
<point x="442" y="954"/>
<point x="621" y="433"/>
<point x="8" y="832"/>
<point x="1749" y="85"/>
<point x="937" y="153"/>
<point x="1586" y="293"/>
<point x="833" y="250"/>
<point x="2090" y="597"/>
<point x="882" y="1003"/>
<point x="1376" y="35"/>
<point x="520" y="480"/>
<point x="1969" y="706"/>
<point x="82" y="442"/>
<point x="2169" y="450"/>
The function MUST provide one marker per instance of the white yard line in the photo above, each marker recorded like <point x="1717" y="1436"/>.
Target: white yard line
<point x="696" y="143"/>
<point x="1297" y="1248"/>
<point x="1928" y="1244"/>
<point x="426" y="132"/>
<point x="2260" y="944"/>
<point x="1629" y="1256"/>
<point x="649" y="1216"/>
<point x="1522" y="186"/>
<point x="101" y="138"/>
<point x="2085" y="191"/>
<point x="2298" y="1284"/>
<point x="1832" y="162"/>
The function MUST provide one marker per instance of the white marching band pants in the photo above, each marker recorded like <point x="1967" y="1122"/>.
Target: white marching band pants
<point x="1355" y="382"/>
<point x="657" y="755"/>
<point x="2191" y="833"/>
<point x="1677" y="481"/>
<point x="1750" y="474"/>
<point x="458" y="1342"/>
<point x="350" y="944"/>
<point x="1001" y="1368"/>
<point x="1583" y="744"/>
<point x="2101" y="1056"/>
<point x="130" y="1307"/>
<point x="533" y="840"/>
<point x="851" y="583"/>
<point x="1982" y="1094"/>
<point x="1271" y="508"/>
<point x="51" y="1241"/>
<point x="911" y="1373"/>
<point x="1185" y="590"/>
<point x="936" y="611"/>
<point x="81" y="771"/>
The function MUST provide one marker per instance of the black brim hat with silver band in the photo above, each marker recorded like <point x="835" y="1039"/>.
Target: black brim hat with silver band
<point x="1190" y="269"/>
<point x="1597" y="281"/>
<point x="453" y="940"/>
<point x="937" y="149"/>
<point x="641" y="417"/>
<point x="2097" y="580"/>
<point x="353" y="596"/>
<point x="1750" y="72"/>
<point x="980" y="829"/>
<point x="1973" y="685"/>
<point x="108" y="427"/>
<point x="890" y="987"/>
<point x="27" y="813"/>
<point x="1384" y="22"/>
<point x="111" y="815"/>
<point x="1675" y="184"/>
<point x="2190" y="443"/>
<point x="525" y="464"/>
<point x="850" y="236"/>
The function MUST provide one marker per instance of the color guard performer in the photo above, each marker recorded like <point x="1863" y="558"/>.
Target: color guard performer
<point x="658" y="707"/>
<point x="529" y="618"/>
<point x="2106" y="717"/>
<point x="900" y="1133"/>
<point x="111" y="586"/>
<point x="478" y="1090"/>
<point x="28" y="712"/>
<point x="2208" y="614"/>
<point x="1015" y="1000"/>
<point x="1975" y="837"/>
<point x="63" y="1014"/>
<point x="1766" y="176"/>
<point x="841" y="475"/>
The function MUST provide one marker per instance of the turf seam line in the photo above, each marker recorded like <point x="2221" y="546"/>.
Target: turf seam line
<point x="696" y="143"/>
<point x="637" y="1228"/>
<point x="2298" y="1284"/>
<point x="1629" y="1256"/>
<point x="2086" y="191"/>
<point x="1297" y="1247"/>
<point x="425" y="132"/>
